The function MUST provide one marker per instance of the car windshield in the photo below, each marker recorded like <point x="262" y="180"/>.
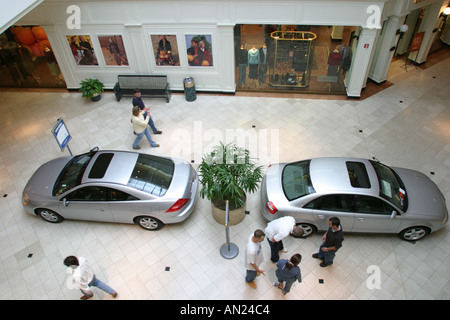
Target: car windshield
<point x="391" y="186"/>
<point x="296" y="180"/>
<point x="152" y="175"/>
<point x="72" y="173"/>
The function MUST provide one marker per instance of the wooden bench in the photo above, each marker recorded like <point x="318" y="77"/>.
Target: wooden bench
<point x="150" y="86"/>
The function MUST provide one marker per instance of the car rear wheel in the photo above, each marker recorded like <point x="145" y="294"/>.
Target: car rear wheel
<point x="308" y="229"/>
<point x="414" y="233"/>
<point x="49" y="215"/>
<point x="149" y="223"/>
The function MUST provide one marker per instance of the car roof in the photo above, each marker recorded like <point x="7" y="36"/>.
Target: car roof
<point x="116" y="169"/>
<point x="331" y="175"/>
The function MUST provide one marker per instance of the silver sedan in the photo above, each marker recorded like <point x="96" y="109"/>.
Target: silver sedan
<point x="365" y="195"/>
<point x="113" y="186"/>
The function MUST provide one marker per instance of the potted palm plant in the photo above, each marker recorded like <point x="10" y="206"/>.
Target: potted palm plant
<point x="91" y="89"/>
<point x="227" y="173"/>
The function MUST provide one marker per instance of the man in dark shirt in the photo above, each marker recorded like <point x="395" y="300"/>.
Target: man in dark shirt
<point x="137" y="101"/>
<point x="331" y="242"/>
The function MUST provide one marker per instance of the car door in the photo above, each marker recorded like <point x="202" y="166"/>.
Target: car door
<point x="375" y="215"/>
<point x="124" y="206"/>
<point x="333" y="205"/>
<point x="86" y="203"/>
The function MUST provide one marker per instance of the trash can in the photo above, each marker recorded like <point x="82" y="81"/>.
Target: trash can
<point x="189" y="89"/>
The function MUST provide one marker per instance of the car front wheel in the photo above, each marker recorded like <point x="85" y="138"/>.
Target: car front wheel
<point x="49" y="215"/>
<point x="414" y="233"/>
<point x="149" y="223"/>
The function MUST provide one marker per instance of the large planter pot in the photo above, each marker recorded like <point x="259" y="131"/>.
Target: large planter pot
<point x="235" y="215"/>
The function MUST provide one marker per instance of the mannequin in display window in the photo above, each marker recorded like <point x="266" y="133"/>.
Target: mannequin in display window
<point x="242" y="61"/>
<point x="334" y="61"/>
<point x="253" y="62"/>
<point x="346" y="58"/>
<point x="263" y="64"/>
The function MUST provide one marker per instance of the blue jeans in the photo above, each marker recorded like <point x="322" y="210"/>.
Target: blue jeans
<point x="327" y="256"/>
<point x="251" y="275"/>
<point x="275" y="247"/>
<point x="101" y="285"/>
<point x="141" y="135"/>
<point x="289" y="282"/>
<point x="150" y="121"/>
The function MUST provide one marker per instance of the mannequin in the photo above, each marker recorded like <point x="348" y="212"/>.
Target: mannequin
<point x="346" y="58"/>
<point x="253" y="62"/>
<point x="334" y="60"/>
<point x="263" y="66"/>
<point x="242" y="60"/>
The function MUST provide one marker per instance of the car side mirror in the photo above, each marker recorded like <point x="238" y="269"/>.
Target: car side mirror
<point x="65" y="202"/>
<point x="393" y="214"/>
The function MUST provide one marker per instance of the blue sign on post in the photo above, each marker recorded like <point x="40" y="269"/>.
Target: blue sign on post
<point x="61" y="135"/>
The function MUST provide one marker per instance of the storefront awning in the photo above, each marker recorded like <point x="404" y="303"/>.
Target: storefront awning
<point x="14" y="11"/>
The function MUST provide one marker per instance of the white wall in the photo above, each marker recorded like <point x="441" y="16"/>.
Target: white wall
<point x="136" y="20"/>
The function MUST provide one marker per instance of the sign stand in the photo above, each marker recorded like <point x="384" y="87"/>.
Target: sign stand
<point x="228" y="250"/>
<point x="62" y="135"/>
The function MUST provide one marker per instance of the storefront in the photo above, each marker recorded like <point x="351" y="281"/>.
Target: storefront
<point x="293" y="58"/>
<point x="27" y="59"/>
<point x="290" y="46"/>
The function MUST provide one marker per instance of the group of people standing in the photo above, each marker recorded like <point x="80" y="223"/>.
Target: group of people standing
<point x="288" y="270"/>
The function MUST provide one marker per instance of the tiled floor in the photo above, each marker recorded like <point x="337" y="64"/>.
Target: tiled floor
<point x="407" y="124"/>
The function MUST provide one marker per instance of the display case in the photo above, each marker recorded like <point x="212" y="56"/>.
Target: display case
<point x="293" y="58"/>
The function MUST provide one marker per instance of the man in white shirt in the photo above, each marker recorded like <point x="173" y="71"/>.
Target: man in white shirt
<point x="279" y="229"/>
<point x="254" y="257"/>
<point x="83" y="277"/>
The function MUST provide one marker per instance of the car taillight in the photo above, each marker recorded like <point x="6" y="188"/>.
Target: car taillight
<point x="178" y="205"/>
<point x="271" y="207"/>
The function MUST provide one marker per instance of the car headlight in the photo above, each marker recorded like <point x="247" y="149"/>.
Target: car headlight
<point x="25" y="199"/>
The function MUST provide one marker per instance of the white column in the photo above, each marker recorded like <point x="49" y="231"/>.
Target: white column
<point x="430" y="21"/>
<point x="358" y="71"/>
<point x="445" y="36"/>
<point x="383" y="54"/>
<point x="227" y="70"/>
<point x="63" y="56"/>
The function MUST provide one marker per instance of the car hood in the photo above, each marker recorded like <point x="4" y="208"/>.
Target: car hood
<point x="424" y="197"/>
<point x="43" y="180"/>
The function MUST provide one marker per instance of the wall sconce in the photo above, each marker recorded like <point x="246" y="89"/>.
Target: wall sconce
<point x="401" y="31"/>
<point x="446" y="12"/>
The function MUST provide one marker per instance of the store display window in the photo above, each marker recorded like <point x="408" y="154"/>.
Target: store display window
<point x="293" y="58"/>
<point x="27" y="59"/>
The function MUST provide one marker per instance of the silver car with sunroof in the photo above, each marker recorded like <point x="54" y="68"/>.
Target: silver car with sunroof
<point x="366" y="195"/>
<point x="113" y="186"/>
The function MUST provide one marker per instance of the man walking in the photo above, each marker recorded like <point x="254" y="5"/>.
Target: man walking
<point x="279" y="229"/>
<point x="254" y="257"/>
<point x="137" y="101"/>
<point x="83" y="277"/>
<point x="331" y="242"/>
